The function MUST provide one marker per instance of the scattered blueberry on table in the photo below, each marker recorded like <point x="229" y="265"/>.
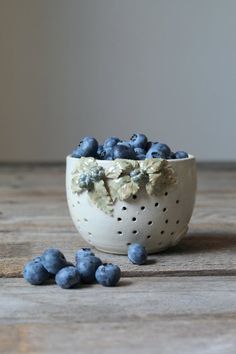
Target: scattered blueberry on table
<point x="108" y="274"/>
<point x="67" y="277"/>
<point x="88" y="268"/>
<point x="53" y="260"/>
<point x="35" y="273"/>
<point x="83" y="252"/>
<point x="137" y="254"/>
<point x="138" y="147"/>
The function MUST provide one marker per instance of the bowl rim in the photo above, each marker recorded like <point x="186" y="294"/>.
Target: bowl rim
<point x="189" y="158"/>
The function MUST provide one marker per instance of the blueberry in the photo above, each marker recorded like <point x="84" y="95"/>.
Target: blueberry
<point x="53" y="260"/>
<point x="87" y="267"/>
<point x="158" y="150"/>
<point x="108" y="153"/>
<point x="108" y="274"/>
<point x="140" y="151"/>
<point x="138" y="141"/>
<point x="137" y="253"/>
<point x="124" y="152"/>
<point x="110" y="142"/>
<point x="83" y="252"/>
<point x="67" y="277"/>
<point x="35" y="273"/>
<point x="87" y="147"/>
<point x="172" y="155"/>
<point x="100" y="152"/>
<point x="154" y="154"/>
<point x="150" y="144"/>
<point x="163" y="148"/>
<point x="77" y="152"/>
<point x="181" y="155"/>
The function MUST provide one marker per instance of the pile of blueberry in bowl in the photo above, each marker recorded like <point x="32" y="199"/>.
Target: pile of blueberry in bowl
<point x="136" y="148"/>
<point x="130" y="191"/>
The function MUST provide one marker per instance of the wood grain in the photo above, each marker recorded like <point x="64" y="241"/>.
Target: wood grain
<point x="144" y="315"/>
<point x="34" y="216"/>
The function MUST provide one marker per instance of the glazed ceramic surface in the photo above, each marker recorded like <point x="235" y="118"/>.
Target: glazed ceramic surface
<point x="156" y="222"/>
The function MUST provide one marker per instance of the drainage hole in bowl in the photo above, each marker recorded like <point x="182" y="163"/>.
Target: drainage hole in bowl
<point x="177" y="221"/>
<point x="120" y="232"/>
<point x="134" y="196"/>
<point x="142" y="207"/>
<point x="166" y="221"/>
<point x="78" y="202"/>
<point x="150" y="222"/>
<point x="124" y="208"/>
<point x="172" y="233"/>
<point x="164" y="209"/>
<point x="149" y="236"/>
<point x="90" y="233"/>
<point x="134" y="219"/>
<point x="156" y="204"/>
<point x="135" y="231"/>
<point x="166" y="193"/>
<point x="128" y="244"/>
<point x="119" y="219"/>
<point x="73" y="205"/>
<point x="177" y="201"/>
<point x="162" y="232"/>
<point x="86" y="220"/>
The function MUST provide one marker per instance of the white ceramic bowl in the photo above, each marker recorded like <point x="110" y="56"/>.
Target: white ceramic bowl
<point x="155" y="222"/>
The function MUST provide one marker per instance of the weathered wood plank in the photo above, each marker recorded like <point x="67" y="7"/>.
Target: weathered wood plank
<point x="34" y="216"/>
<point x="199" y="253"/>
<point x="144" y="315"/>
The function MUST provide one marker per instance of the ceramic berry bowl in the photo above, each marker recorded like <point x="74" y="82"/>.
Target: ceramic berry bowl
<point x="116" y="203"/>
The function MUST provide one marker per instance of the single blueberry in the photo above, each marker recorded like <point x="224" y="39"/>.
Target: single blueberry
<point x="110" y="142"/>
<point x="163" y="148"/>
<point x="53" y="260"/>
<point x="138" y="141"/>
<point x="137" y="254"/>
<point x="67" y="277"/>
<point x="35" y="273"/>
<point x="83" y="252"/>
<point x="181" y="155"/>
<point x="108" y="274"/>
<point x="87" y="267"/>
<point x="87" y="147"/>
<point x="154" y="154"/>
<point x="124" y="152"/>
<point x="158" y="150"/>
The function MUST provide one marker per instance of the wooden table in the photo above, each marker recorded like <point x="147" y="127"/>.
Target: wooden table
<point x="183" y="301"/>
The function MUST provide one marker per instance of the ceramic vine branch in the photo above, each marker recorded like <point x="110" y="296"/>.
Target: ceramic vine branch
<point x="121" y="180"/>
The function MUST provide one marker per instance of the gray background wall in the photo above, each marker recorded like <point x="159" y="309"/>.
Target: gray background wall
<point x="102" y="67"/>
